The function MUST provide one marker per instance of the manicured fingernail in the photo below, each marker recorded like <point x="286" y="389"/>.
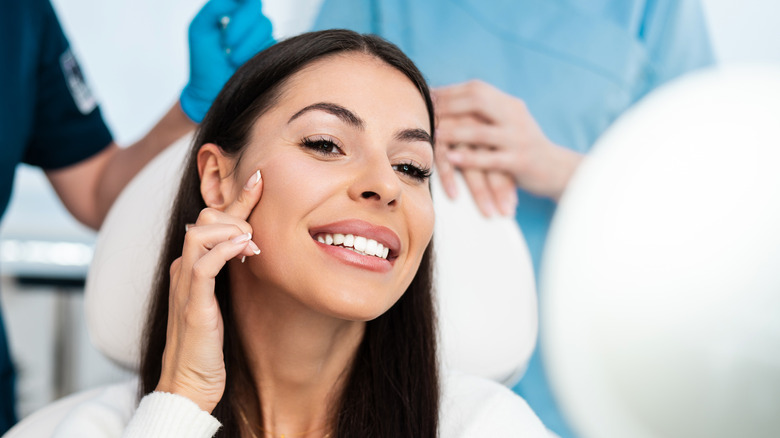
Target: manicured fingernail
<point x="241" y="238"/>
<point x="243" y="259"/>
<point x="253" y="180"/>
<point x="509" y="208"/>
<point x="490" y="209"/>
<point x="451" y="189"/>
<point x="254" y="248"/>
<point x="187" y="227"/>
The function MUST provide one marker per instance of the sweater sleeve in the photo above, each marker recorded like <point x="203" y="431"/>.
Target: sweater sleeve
<point x="112" y="413"/>
<point x="167" y="415"/>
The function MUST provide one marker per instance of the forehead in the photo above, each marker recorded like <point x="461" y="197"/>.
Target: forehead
<point x="361" y="83"/>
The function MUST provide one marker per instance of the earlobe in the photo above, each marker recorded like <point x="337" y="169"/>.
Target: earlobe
<point x="215" y="185"/>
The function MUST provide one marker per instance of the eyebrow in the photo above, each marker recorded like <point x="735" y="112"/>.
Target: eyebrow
<point x="347" y="116"/>
<point x="339" y="111"/>
<point x="411" y="135"/>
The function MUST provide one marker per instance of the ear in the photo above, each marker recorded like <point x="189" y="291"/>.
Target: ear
<point x="214" y="169"/>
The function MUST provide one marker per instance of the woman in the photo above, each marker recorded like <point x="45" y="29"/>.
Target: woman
<point x="298" y="303"/>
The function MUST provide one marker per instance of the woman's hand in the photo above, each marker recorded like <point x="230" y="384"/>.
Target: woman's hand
<point x="482" y="128"/>
<point x="193" y="365"/>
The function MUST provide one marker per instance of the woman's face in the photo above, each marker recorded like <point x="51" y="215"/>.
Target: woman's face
<point x="346" y="211"/>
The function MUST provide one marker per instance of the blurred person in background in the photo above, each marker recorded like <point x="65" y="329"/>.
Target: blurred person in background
<point x="49" y="117"/>
<point x="524" y="90"/>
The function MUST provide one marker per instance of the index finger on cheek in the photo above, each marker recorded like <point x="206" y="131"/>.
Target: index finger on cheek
<point x="248" y="198"/>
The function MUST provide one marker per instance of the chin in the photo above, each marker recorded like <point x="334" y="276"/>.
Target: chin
<point x="350" y="309"/>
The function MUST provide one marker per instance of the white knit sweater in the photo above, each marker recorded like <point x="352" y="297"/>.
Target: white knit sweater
<point x="470" y="407"/>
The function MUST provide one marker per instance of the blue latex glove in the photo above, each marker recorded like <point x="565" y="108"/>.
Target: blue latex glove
<point x="223" y="36"/>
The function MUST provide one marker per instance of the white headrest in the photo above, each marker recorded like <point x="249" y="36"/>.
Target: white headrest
<point x="486" y="291"/>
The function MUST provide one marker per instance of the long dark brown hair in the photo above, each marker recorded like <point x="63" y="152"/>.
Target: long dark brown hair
<point x="392" y="388"/>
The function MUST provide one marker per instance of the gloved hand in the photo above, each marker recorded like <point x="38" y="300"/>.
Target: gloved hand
<point x="223" y="36"/>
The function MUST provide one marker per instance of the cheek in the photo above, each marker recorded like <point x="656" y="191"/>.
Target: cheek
<point x="422" y="219"/>
<point x="292" y="188"/>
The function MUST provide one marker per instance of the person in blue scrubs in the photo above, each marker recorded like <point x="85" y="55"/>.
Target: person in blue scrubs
<point x="525" y="88"/>
<point x="50" y="119"/>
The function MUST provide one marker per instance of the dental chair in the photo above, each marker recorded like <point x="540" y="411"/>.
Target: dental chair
<point x="485" y="288"/>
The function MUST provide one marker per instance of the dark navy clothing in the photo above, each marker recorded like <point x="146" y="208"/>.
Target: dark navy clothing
<point x="40" y="121"/>
<point x="48" y="118"/>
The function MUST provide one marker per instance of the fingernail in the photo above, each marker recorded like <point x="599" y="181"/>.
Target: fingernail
<point x="243" y="259"/>
<point x="241" y="238"/>
<point x="253" y="180"/>
<point x="490" y="209"/>
<point x="509" y="208"/>
<point x="451" y="189"/>
<point x="187" y="227"/>
<point x="254" y="248"/>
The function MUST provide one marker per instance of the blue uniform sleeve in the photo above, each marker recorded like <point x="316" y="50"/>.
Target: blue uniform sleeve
<point x="67" y="125"/>
<point x="675" y="35"/>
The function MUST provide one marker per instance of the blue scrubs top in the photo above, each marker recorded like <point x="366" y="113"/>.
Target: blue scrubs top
<point x="577" y="64"/>
<point x="48" y="118"/>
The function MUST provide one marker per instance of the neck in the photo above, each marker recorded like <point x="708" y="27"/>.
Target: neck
<point x="299" y="360"/>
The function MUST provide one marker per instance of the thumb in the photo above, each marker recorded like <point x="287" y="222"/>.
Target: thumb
<point x="248" y="198"/>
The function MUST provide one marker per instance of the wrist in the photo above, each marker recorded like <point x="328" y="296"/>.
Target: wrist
<point x="549" y="174"/>
<point x="564" y="162"/>
<point x="205" y="398"/>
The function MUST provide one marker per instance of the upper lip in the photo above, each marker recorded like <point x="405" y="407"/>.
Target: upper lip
<point x="383" y="235"/>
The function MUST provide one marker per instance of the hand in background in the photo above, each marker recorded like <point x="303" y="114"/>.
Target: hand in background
<point x="484" y="129"/>
<point x="222" y="37"/>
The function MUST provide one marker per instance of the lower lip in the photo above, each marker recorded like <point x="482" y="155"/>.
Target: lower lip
<point x="371" y="263"/>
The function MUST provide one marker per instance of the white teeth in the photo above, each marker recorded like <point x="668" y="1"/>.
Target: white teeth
<point x="371" y="247"/>
<point x="359" y="244"/>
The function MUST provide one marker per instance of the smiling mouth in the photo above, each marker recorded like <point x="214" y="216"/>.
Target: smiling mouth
<point x="359" y="244"/>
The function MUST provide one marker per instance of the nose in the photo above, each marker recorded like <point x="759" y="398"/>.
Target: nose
<point x="376" y="182"/>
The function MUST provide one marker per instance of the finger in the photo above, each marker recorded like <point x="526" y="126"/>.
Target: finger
<point x="472" y="97"/>
<point x="211" y="216"/>
<point x="477" y="184"/>
<point x="248" y="33"/>
<point x="469" y="131"/>
<point x="248" y="198"/>
<point x="200" y="240"/>
<point x="206" y="268"/>
<point x="445" y="170"/>
<point x="504" y="192"/>
<point x="481" y="158"/>
<point x="208" y="23"/>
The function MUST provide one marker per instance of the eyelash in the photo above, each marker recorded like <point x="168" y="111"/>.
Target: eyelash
<point x="326" y="147"/>
<point x="316" y="144"/>
<point x="413" y="171"/>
